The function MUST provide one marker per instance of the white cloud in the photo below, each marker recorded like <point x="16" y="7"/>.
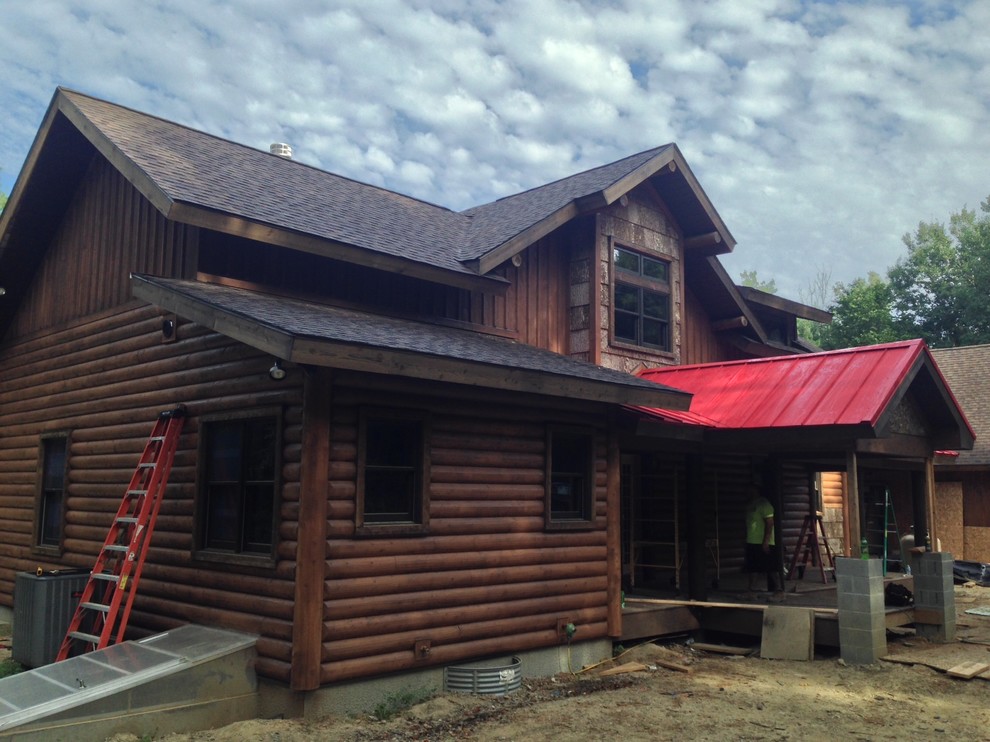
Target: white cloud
<point x="821" y="130"/>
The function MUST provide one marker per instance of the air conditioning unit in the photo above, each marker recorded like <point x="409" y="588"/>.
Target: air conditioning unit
<point x="43" y="608"/>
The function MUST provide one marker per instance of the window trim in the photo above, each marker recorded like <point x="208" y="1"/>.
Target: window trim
<point x="374" y="528"/>
<point x="39" y="501"/>
<point x="639" y="281"/>
<point x="199" y="551"/>
<point x="589" y="519"/>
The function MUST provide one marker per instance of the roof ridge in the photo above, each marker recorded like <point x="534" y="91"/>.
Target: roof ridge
<point x="653" y="151"/>
<point x="288" y="161"/>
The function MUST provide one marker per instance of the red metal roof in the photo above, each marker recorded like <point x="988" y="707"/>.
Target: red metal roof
<point x="842" y="387"/>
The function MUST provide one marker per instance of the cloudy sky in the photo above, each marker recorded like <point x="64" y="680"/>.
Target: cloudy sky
<point x="822" y="131"/>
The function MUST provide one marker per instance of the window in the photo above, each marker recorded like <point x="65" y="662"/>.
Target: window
<point x="239" y="486"/>
<point x="393" y="466"/>
<point x="570" y="478"/>
<point x="51" y="495"/>
<point x="641" y="300"/>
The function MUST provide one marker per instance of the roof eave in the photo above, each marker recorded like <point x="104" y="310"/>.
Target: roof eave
<point x="380" y="359"/>
<point x="238" y="226"/>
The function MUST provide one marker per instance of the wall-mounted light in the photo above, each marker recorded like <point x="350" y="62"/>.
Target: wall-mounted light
<point x="276" y="372"/>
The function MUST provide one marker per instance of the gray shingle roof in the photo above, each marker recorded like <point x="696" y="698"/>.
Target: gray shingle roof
<point x="499" y="221"/>
<point x="296" y="319"/>
<point x="967" y="370"/>
<point x="201" y="170"/>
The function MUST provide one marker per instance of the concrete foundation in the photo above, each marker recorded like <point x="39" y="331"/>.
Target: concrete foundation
<point x="360" y="696"/>
<point x="862" y="623"/>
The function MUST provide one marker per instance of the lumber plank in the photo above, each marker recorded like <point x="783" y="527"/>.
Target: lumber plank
<point x="722" y="648"/>
<point x="624" y="668"/>
<point x="968" y="670"/>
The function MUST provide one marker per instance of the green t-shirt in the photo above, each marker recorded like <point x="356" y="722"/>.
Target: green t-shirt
<point x="757" y="512"/>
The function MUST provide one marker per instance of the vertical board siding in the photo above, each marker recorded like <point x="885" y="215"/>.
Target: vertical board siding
<point x="104" y="381"/>
<point x="488" y="577"/>
<point x="109" y="231"/>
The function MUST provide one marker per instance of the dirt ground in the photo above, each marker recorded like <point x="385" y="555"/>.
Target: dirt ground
<point x="713" y="696"/>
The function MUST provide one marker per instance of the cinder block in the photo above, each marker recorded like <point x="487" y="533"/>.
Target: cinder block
<point x="929" y="598"/>
<point x="862" y="647"/>
<point x="871" y="602"/>
<point x="845" y="566"/>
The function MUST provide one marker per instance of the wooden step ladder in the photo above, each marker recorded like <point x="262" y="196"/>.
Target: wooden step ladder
<point x="104" y="607"/>
<point x="814" y="544"/>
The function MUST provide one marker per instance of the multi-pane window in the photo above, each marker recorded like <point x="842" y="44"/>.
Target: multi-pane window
<point x="392" y="472"/>
<point x="239" y="491"/>
<point x="51" y="499"/>
<point x="570" y="477"/>
<point x="641" y="300"/>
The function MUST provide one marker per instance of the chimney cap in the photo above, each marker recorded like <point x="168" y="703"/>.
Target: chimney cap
<point x="281" y="149"/>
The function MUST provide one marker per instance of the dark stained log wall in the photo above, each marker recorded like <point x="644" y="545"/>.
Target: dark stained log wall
<point x="488" y="577"/>
<point x="109" y="231"/>
<point x="104" y="380"/>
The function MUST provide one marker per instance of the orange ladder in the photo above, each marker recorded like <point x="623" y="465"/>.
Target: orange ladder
<point x="812" y="540"/>
<point x="105" y="604"/>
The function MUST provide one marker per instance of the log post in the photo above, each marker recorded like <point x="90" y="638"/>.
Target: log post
<point x="852" y="496"/>
<point x="697" y="584"/>
<point x="307" y="630"/>
<point x="613" y="549"/>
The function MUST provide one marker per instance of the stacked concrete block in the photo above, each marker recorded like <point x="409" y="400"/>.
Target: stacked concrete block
<point x="934" y="597"/>
<point x="862" y="624"/>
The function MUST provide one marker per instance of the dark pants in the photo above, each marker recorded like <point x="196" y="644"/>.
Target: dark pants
<point x="758" y="561"/>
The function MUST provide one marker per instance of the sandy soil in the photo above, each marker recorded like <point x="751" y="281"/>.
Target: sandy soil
<point x="715" y="697"/>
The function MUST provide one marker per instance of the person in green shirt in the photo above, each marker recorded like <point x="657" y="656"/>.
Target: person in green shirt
<point x="761" y="549"/>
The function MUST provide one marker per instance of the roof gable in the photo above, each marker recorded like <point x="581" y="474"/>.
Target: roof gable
<point x="857" y="388"/>
<point x="504" y="227"/>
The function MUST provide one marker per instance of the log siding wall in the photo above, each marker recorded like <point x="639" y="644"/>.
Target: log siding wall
<point x="104" y="380"/>
<point x="488" y="577"/>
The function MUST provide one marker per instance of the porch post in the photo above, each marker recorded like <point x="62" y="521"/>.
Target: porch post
<point x="697" y="584"/>
<point x="919" y="506"/>
<point x="852" y="495"/>
<point x="311" y="544"/>
<point x="613" y="535"/>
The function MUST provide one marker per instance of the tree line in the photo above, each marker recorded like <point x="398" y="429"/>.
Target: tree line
<point x="939" y="291"/>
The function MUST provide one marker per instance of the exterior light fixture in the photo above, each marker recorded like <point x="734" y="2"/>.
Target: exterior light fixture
<point x="276" y="372"/>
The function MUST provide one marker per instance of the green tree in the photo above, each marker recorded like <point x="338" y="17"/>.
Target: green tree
<point x="861" y="315"/>
<point x="750" y="279"/>
<point x="939" y="288"/>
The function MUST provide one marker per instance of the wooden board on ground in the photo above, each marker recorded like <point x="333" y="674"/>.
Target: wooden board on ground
<point x="942" y="657"/>
<point x="722" y="648"/>
<point x="623" y="669"/>
<point x="788" y="633"/>
<point x="968" y="670"/>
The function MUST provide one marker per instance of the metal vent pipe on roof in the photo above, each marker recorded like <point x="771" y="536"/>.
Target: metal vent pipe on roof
<point x="281" y="149"/>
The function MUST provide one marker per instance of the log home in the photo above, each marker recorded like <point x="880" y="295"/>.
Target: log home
<point x="414" y="437"/>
